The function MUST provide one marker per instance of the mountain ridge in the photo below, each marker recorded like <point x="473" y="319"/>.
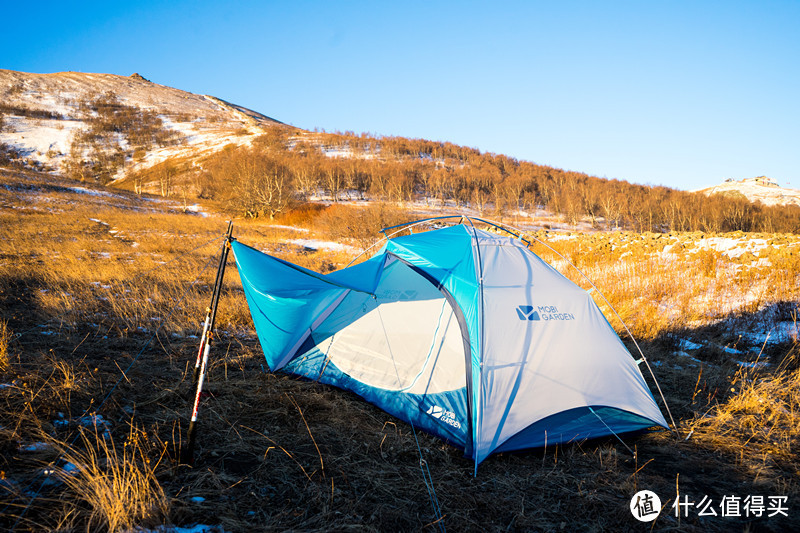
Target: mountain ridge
<point x="44" y="113"/>
<point x="758" y="189"/>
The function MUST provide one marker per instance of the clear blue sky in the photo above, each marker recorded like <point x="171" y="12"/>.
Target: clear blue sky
<point x="683" y="94"/>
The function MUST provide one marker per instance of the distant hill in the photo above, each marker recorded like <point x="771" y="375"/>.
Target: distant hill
<point x="123" y="123"/>
<point x="759" y="189"/>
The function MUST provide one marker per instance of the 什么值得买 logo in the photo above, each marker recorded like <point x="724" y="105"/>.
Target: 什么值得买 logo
<point x="645" y="506"/>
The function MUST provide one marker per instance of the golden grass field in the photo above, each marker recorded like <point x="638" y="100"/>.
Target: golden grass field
<point x="102" y="297"/>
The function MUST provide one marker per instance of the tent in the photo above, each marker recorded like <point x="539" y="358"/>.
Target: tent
<point x="463" y="333"/>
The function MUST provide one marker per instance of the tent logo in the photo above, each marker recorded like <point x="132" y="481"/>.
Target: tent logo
<point x="527" y="312"/>
<point x="440" y="413"/>
<point x="435" y="411"/>
<point x="542" y="312"/>
<point x="398" y="294"/>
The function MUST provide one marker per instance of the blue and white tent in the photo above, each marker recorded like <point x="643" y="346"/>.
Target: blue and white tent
<point x="461" y="332"/>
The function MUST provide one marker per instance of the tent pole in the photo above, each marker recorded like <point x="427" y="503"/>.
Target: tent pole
<point x="479" y="265"/>
<point x="187" y="454"/>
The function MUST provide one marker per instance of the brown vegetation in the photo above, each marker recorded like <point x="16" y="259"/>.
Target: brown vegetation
<point x="109" y="489"/>
<point x="25" y="111"/>
<point x="5" y="339"/>
<point x="102" y="296"/>
<point x="266" y="175"/>
<point x="10" y="157"/>
<point x="764" y="408"/>
<point x="287" y="164"/>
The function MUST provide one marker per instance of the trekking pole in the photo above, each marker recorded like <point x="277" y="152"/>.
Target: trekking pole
<point x="214" y="296"/>
<point x="187" y="454"/>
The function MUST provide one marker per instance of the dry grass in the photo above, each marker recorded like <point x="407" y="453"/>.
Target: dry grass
<point x="636" y="272"/>
<point x="103" y="317"/>
<point x="360" y="225"/>
<point x="5" y="340"/>
<point x="109" y="489"/>
<point x="759" y="421"/>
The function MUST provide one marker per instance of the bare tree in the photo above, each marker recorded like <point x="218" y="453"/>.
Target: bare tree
<point x="333" y="178"/>
<point x="165" y="175"/>
<point x="262" y="185"/>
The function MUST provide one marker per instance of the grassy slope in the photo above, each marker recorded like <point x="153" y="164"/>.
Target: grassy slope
<point x="86" y="280"/>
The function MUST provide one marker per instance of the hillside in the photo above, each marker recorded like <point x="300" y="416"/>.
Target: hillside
<point x="45" y="118"/>
<point x="148" y="138"/>
<point x="761" y="189"/>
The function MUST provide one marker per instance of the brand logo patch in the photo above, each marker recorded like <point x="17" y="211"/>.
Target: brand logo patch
<point x="440" y="413"/>
<point x="527" y="312"/>
<point x="395" y="294"/>
<point x="542" y="312"/>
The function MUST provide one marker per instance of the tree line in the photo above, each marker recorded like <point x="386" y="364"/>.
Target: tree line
<point x="286" y="166"/>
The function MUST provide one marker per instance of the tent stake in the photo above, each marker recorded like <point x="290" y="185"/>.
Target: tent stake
<point x="201" y="367"/>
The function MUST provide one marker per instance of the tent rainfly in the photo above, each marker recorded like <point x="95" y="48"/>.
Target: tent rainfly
<point x="463" y="333"/>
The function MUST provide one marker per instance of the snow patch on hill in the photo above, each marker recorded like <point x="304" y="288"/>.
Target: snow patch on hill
<point x="43" y="140"/>
<point x="203" y="124"/>
<point x="760" y="189"/>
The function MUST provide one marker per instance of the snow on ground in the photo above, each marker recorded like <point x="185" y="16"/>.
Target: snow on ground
<point x="559" y="237"/>
<point x="686" y="344"/>
<point x="194" y="208"/>
<point x="695" y="361"/>
<point x="293" y="228"/>
<point x="777" y="333"/>
<point x="61" y="103"/>
<point x="729" y="350"/>
<point x="91" y="421"/>
<point x="36" y="447"/>
<point x="723" y="298"/>
<point x="210" y="123"/>
<point x="46" y="141"/>
<point x="753" y="364"/>
<point x="731" y="247"/>
<point x="84" y="190"/>
<point x="197" y="143"/>
<point x="349" y="197"/>
<point x="114" y="232"/>
<point x="337" y="152"/>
